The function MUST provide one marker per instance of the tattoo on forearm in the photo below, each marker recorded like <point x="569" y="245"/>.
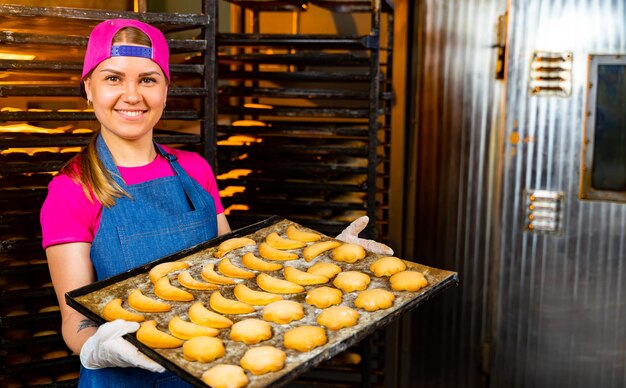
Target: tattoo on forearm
<point x="85" y="323"/>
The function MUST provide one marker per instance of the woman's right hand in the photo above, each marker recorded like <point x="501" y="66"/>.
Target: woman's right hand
<point x="106" y="348"/>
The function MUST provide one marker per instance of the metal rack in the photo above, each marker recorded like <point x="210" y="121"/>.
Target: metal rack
<point x="315" y="110"/>
<point x="304" y="123"/>
<point x="32" y="348"/>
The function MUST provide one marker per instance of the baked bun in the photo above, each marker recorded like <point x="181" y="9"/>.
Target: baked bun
<point x="387" y="266"/>
<point x="305" y="338"/>
<point x="408" y="281"/>
<point x="263" y="359"/>
<point x="203" y="349"/>
<point x="338" y="317"/>
<point x="374" y="299"/>
<point x="251" y="331"/>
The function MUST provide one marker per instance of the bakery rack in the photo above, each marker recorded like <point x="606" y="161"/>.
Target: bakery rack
<point x="304" y="118"/>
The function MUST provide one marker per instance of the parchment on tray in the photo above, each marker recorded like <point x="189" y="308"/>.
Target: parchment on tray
<point x="90" y="300"/>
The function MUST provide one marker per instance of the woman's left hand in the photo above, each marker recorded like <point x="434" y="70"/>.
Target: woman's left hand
<point x="351" y="235"/>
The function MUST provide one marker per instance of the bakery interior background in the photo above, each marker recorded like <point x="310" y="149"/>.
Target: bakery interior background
<point x="490" y="159"/>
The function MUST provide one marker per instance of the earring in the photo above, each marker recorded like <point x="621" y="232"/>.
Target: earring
<point x="164" y="105"/>
<point x="88" y="102"/>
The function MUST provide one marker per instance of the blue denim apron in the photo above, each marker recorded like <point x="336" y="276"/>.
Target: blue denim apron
<point x="164" y="216"/>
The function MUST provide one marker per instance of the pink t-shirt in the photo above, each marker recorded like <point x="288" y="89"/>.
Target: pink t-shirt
<point x="68" y="216"/>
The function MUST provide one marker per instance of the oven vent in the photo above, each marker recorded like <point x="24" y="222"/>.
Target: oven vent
<point x="551" y="74"/>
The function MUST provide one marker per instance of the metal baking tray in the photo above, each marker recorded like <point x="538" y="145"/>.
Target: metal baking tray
<point x="90" y="300"/>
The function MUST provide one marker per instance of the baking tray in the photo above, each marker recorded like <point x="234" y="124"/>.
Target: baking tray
<point x="89" y="300"/>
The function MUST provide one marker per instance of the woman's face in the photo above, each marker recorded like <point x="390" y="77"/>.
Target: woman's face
<point x="128" y="95"/>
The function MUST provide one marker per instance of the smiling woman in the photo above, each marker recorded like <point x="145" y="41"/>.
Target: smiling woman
<point x="124" y="200"/>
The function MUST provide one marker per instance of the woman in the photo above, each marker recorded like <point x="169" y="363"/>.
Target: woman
<point x="125" y="201"/>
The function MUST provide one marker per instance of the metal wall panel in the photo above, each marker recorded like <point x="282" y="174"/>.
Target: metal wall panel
<point x="561" y="302"/>
<point x="451" y="177"/>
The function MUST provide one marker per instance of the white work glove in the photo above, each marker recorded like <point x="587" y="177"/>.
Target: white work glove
<point x="351" y="235"/>
<point x="106" y="348"/>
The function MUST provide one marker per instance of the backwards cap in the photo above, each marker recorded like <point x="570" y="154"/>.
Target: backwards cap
<point x="100" y="46"/>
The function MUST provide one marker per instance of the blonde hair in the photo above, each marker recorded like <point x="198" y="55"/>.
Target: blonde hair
<point x="86" y="168"/>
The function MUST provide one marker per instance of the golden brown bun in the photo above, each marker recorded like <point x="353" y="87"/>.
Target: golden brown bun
<point x="351" y="281"/>
<point x="225" y="376"/>
<point x="114" y="310"/>
<point x="228" y="306"/>
<point x="232" y="244"/>
<point x="296" y="234"/>
<point x="188" y="330"/>
<point x="257" y="298"/>
<point x="186" y="280"/>
<point x="327" y="269"/>
<point x="149" y="335"/>
<point x="408" y="281"/>
<point x="203" y="349"/>
<point x="348" y="253"/>
<point x="374" y="299"/>
<point x="164" y="290"/>
<point x="251" y="331"/>
<point x="283" y="311"/>
<point x="294" y="275"/>
<point x="229" y="269"/>
<point x="263" y="359"/>
<point x="200" y="315"/>
<point x="323" y="297"/>
<point x="279" y="286"/>
<point x="138" y="301"/>
<point x="305" y="338"/>
<point x="249" y="260"/>
<point x="338" y="317"/>
<point x="312" y="251"/>
<point x="387" y="266"/>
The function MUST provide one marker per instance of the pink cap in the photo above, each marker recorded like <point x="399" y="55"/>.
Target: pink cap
<point x="100" y="46"/>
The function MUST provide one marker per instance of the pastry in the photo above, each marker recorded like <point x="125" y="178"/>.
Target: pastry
<point x="312" y="251"/>
<point x="263" y="359"/>
<point x="323" y="297"/>
<point x="296" y="234"/>
<point x="160" y="270"/>
<point x="251" y="331"/>
<point x="203" y="349"/>
<point x="187" y="330"/>
<point x="351" y="281"/>
<point x="149" y="335"/>
<point x="249" y="260"/>
<point x="145" y="304"/>
<point x="304" y="338"/>
<point x="200" y="315"/>
<point x="164" y="290"/>
<point x="348" y="253"/>
<point x="327" y="269"/>
<point x="338" y="317"/>
<point x="114" y="310"/>
<point x="228" y="306"/>
<point x="283" y="311"/>
<point x="229" y="269"/>
<point x="209" y="274"/>
<point x="269" y="253"/>
<point x="374" y="299"/>
<point x="225" y="376"/>
<point x="408" y="281"/>
<point x="186" y="280"/>
<point x="387" y="266"/>
<point x="279" y="286"/>
<point x="278" y="242"/>
<point x="257" y="298"/>
<point x="294" y="275"/>
<point x="232" y="244"/>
